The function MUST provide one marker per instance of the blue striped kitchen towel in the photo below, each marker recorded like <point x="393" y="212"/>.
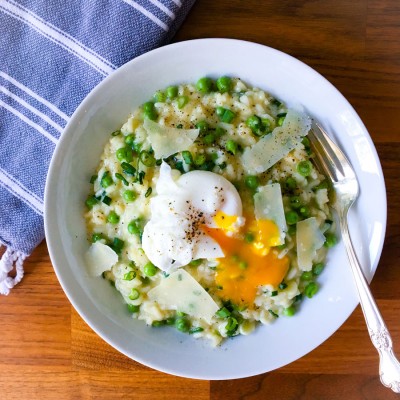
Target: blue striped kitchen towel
<point x="52" y="53"/>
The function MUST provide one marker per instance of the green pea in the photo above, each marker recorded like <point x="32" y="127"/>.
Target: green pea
<point x="209" y="139"/>
<point x="182" y="101"/>
<point x="132" y="308"/>
<point x="305" y="211"/>
<point x="306" y="276"/>
<point x="290" y="183"/>
<point x="311" y="289"/>
<point x="224" y="84"/>
<point x="129" y="196"/>
<point x="202" y="125"/>
<point x="147" y="159"/>
<point x="304" y="168"/>
<point x="231" y="146"/>
<point x="254" y="123"/>
<point x="157" y="324"/>
<point x="129" y="276"/>
<point x="134" y="227"/>
<point x="150" y="269"/>
<point x="199" y="159"/>
<point x="290" y="311"/>
<point x="124" y="153"/>
<point x="159" y="96"/>
<point x="323" y="185"/>
<point x="187" y="157"/>
<point x="129" y="139"/>
<point x="148" y="106"/>
<point x="330" y="240"/>
<point x="113" y="218"/>
<point x="106" y="180"/>
<point x="134" y="294"/>
<point x="228" y="116"/>
<point x="171" y="92"/>
<point x="291" y="217"/>
<point x="220" y="111"/>
<point x="96" y="237"/>
<point x="318" y="268"/>
<point x="182" y="324"/>
<point x="295" y="202"/>
<point x="204" y="85"/>
<point x="252" y="182"/>
<point x="219" y="131"/>
<point x="152" y="115"/>
<point x="91" y="201"/>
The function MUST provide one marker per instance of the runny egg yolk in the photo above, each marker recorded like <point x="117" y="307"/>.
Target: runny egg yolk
<point x="247" y="264"/>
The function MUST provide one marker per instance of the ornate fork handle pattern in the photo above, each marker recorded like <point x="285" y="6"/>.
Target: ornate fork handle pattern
<point x="334" y="163"/>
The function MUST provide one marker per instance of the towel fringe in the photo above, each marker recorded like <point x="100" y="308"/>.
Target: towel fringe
<point x="9" y="259"/>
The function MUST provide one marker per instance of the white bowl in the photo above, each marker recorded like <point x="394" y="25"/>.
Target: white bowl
<point x="77" y="155"/>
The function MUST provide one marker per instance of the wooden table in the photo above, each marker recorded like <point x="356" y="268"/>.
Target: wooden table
<point x="48" y="352"/>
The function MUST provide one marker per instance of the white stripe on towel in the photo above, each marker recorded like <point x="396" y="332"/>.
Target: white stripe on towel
<point x="163" y="8"/>
<point x="59" y="37"/>
<point x="20" y="191"/>
<point x="28" y="121"/>
<point x="177" y="2"/>
<point x="28" y="91"/>
<point x="30" y="108"/>
<point x="147" y="13"/>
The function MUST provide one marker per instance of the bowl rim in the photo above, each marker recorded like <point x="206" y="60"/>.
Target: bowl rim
<point x="52" y="174"/>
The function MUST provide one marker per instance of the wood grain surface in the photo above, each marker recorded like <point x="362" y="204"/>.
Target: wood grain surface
<point x="48" y="352"/>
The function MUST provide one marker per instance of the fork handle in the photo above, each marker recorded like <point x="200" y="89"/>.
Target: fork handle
<point x="389" y="366"/>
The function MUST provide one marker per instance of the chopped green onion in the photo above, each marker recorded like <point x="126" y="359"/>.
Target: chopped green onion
<point x="282" y="285"/>
<point x="197" y="329"/>
<point x="187" y="157"/>
<point x="228" y="116"/>
<point x="306" y="276"/>
<point x="93" y="178"/>
<point x="274" y="293"/>
<point x="91" y="201"/>
<point x="116" y="133"/>
<point x="231" y="146"/>
<point x="129" y="139"/>
<point x="223" y="313"/>
<point x="290" y="183"/>
<point x="209" y="139"/>
<point x="124" y="153"/>
<point x="273" y="313"/>
<point x="106" y="180"/>
<point x="107" y="200"/>
<point x="195" y="263"/>
<point x="199" y="159"/>
<point x="121" y="178"/>
<point x="128" y="168"/>
<point x="148" y="192"/>
<point x="159" y="96"/>
<point x="295" y="202"/>
<point x="249" y="237"/>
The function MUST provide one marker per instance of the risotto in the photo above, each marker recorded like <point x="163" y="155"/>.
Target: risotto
<point x="206" y="212"/>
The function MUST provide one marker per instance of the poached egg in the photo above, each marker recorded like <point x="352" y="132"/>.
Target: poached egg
<point x="181" y="212"/>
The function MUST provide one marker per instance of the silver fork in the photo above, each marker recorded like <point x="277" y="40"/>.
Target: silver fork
<point x="334" y="164"/>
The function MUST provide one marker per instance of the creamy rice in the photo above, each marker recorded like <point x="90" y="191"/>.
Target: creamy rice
<point x="128" y="274"/>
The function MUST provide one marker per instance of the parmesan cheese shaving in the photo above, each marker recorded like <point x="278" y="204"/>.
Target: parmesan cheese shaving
<point x="309" y="239"/>
<point x="181" y="292"/>
<point x="166" y="141"/>
<point x="268" y="205"/>
<point x="100" y="258"/>
<point x="272" y="148"/>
